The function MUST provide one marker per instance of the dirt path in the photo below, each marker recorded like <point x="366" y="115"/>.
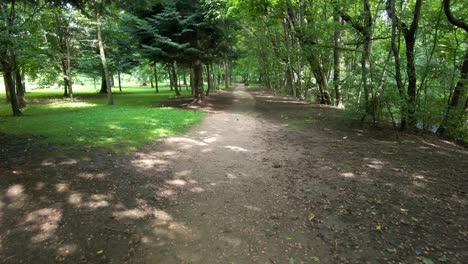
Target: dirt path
<point x="241" y="187"/>
<point x="226" y="196"/>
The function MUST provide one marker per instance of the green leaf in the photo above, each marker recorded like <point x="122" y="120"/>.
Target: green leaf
<point x="427" y="261"/>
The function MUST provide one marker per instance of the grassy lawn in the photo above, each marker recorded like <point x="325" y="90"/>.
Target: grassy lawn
<point x="88" y="122"/>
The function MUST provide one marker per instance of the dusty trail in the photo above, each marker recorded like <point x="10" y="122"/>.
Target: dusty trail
<point x="246" y="185"/>
<point x="225" y="196"/>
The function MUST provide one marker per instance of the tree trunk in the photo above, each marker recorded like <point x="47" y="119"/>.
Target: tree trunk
<point x="155" y="75"/>
<point x="366" y="59"/>
<point x="110" y="100"/>
<point x="227" y="80"/>
<point x="175" y="81"/>
<point x="111" y="78"/>
<point x="337" y="62"/>
<point x="65" y="87"/>
<point x="10" y="85"/>
<point x="411" y="72"/>
<point x="7" y="91"/>
<point x="103" y="84"/>
<point x="19" y="89"/>
<point x="69" y="69"/>
<point x="192" y="80"/>
<point x="409" y="33"/>
<point x="395" y="46"/>
<point x="321" y="79"/>
<point x="209" y="79"/>
<point x="214" y="78"/>
<point x="460" y="92"/>
<point x="119" y="80"/>
<point x="198" y="80"/>
<point x="459" y="98"/>
<point x="8" y="61"/>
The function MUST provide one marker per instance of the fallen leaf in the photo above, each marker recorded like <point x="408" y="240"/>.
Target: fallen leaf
<point x="311" y="217"/>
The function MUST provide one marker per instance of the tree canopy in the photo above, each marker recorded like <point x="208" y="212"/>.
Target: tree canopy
<point x="402" y="62"/>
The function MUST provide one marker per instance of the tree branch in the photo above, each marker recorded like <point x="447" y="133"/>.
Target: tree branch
<point x="348" y="19"/>
<point x="451" y="18"/>
<point x="416" y="15"/>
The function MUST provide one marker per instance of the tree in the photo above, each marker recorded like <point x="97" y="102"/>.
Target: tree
<point x="458" y="104"/>
<point x="181" y="33"/>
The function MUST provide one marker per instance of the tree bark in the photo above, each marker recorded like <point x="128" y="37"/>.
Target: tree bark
<point x="19" y="89"/>
<point x="409" y="34"/>
<point x="65" y="87"/>
<point x="155" y="75"/>
<point x="110" y="100"/>
<point x="119" y="80"/>
<point x="227" y="74"/>
<point x="69" y="68"/>
<point x="7" y="91"/>
<point x="8" y="61"/>
<point x="192" y="80"/>
<point x="395" y="46"/>
<point x="209" y="79"/>
<point x="10" y="85"/>
<point x="321" y="79"/>
<point x="337" y="62"/>
<point x="198" y="80"/>
<point x="103" y="84"/>
<point x="459" y="97"/>
<point x="312" y="58"/>
<point x="366" y="30"/>
<point x="175" y="81"/>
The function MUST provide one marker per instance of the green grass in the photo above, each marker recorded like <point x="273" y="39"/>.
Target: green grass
<point x="87" y="122"/>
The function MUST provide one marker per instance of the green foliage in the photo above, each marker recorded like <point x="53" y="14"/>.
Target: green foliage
<point x="183" y="32"/>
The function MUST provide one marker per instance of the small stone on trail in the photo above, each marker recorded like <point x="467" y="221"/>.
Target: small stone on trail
<point x="294" y="217"/>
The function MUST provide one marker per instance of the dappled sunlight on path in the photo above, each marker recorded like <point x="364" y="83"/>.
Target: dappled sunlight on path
<point x="240" y="187"/>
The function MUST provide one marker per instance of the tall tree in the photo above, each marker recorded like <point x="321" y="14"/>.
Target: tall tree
<point x="98" y="11"/>
<point x="458" y="104"/>
<point x="409" y="33"/>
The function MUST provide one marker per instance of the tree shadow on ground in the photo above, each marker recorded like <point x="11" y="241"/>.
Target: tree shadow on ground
<point x="373" y="193"/>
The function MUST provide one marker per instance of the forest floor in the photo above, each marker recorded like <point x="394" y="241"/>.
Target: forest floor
<point x="262" y="179"/>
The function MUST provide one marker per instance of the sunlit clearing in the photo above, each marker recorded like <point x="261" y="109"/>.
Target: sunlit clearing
<point x="71" y="105"/>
